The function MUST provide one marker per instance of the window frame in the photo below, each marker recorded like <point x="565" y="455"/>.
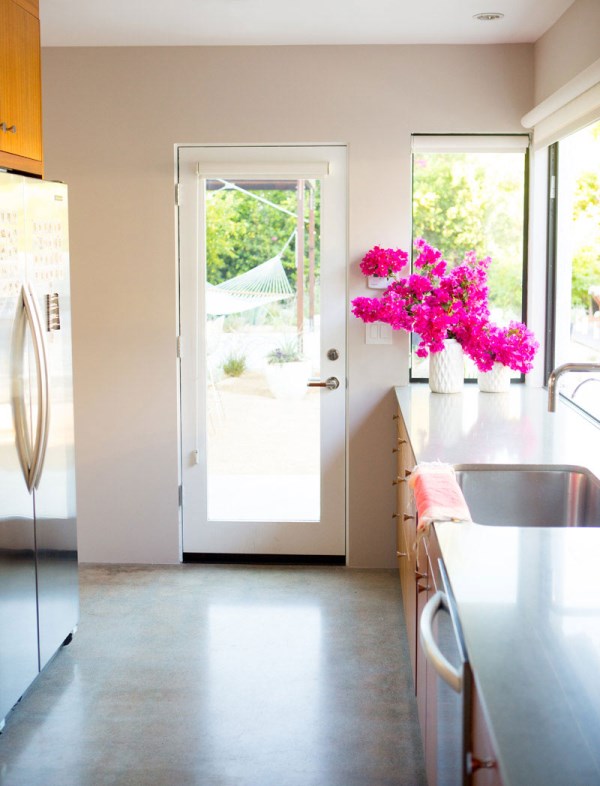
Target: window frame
<point x="552" y="261"/>
<point x="525" y="241"/>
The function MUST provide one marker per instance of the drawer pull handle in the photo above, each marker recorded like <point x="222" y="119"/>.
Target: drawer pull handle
<point x="400" y="442"/>
<point x="418" y="577"/>
<point x="407" y="517"/>
<point x="474" y="764"/>
<point x="401" y="554"/>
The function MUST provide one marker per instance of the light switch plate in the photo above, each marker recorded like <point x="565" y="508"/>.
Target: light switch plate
<point x="378" y="333"/>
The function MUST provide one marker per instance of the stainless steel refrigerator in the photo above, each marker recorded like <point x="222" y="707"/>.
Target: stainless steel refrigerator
<point x="39" y="595"/>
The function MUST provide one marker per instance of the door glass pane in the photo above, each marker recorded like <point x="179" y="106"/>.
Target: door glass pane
<point x="262" y="321"/>
<point x="578" y="263"/>
<point x="464" y="201"/>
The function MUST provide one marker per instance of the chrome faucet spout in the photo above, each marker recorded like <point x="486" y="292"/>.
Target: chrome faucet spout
<point x="566" y="368"/>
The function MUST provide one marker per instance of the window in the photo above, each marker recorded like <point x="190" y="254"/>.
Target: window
<point x="574" y="261"/>
<point x="469" y="193"/>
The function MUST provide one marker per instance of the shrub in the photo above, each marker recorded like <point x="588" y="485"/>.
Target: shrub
<point x="235" y="365"/>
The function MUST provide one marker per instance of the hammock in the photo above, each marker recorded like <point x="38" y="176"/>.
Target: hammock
<point x="265" y="283"/>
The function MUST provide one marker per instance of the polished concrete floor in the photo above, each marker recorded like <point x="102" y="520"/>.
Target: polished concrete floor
<point x="199" y="675"/>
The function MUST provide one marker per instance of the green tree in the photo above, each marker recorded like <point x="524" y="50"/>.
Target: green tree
<point x="585" y="229"/>
<point x="585" y="270"/>
<point x="585" y="273"/>
<point x="243" y="231"/>
<point x="446" y="204"/>
<point x="587" y="196"/>
<point x="469" y="201"/>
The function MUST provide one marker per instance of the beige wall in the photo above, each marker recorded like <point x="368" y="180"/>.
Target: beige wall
<point x="569" y="47"/>
<point x="111" y="120"/>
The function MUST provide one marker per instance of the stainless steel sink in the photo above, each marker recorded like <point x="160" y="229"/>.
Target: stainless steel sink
<point x="530" y="495"/>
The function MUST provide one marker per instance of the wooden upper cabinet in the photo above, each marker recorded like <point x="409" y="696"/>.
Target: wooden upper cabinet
<point x="20" y="87"/>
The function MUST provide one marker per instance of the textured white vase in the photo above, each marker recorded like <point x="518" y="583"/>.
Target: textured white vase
<point x="288" y="380"/>
<point x="447" y="368"/>
<point x="496" y="380"/>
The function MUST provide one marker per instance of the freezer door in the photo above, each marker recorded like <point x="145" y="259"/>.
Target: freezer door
<point x="48" y="275"/>
<point x="18" y="616"/>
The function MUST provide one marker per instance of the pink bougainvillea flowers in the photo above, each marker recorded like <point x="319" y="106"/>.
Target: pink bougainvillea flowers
<point x="513" y="345"/>
<point x="383" y="262"/>
<point x="437" y="303"/>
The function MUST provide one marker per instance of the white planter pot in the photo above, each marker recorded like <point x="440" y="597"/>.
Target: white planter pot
<point x="447" y="368"/>
<point x="496" y="380"/>
<point x="288" y="380"/>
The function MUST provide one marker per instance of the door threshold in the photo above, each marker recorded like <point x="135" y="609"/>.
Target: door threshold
<point x="264" y="559"/>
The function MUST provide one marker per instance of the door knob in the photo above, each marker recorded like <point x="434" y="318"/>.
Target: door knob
<point x="332" y="383"/>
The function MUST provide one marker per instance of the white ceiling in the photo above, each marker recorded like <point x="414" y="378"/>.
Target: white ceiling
<point x="264" y="22"/>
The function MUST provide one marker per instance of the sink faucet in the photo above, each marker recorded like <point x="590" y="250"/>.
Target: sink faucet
<point x="565" y="369"/>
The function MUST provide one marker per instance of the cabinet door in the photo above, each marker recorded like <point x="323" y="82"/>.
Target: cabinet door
<point x="406" y="532"/>
<point x="482" y="765"/>
<point x="409" y="588"/>
<point x="400" y="450"/>
<point x="422" y="588"/>
<point x="444" y="737"/>
<point x="20" y="88"/>
<point x="429" y="679"/>
<point x="441" y="709"/>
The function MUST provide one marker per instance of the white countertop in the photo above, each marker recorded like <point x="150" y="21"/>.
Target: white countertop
<point x="528" y="598"/>
<point x="529" y="605"/>
<point x="497" y="428"/>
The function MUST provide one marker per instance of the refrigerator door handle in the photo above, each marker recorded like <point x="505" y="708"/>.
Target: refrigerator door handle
<point x="41" y="362"/>
<point x="19" y="410"/>
<point x="31" y="455"/>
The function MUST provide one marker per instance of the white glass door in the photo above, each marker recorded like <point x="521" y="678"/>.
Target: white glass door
<point x="262" y="241"/>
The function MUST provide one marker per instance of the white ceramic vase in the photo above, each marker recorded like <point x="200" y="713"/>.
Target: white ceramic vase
<point x="447" y="368"/>
<point x="496" y="380"/>
<point x="288" y="380"/>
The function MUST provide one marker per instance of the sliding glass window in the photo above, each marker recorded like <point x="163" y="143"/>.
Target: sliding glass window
<point x="469" y="192"/>
<point x="574" y="262"/>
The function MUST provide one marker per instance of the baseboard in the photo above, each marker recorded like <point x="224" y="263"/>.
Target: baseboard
<point x="264" y="559"/>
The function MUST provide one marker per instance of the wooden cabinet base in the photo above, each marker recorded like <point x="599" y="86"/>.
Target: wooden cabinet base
<point x="19" y="164"/>
<point x="449" y="725"/>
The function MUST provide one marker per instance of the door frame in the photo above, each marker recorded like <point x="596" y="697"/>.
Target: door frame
<point x="180" y="197"/>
